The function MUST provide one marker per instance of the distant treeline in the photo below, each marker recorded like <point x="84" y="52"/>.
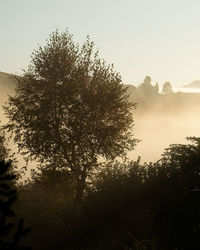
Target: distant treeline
<point x="150" y="99"/>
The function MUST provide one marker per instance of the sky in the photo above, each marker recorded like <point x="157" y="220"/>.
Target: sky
<point x="159" y="38"/>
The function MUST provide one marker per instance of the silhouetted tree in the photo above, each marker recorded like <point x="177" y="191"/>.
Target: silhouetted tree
<point x="174" y="182"/>
<point x="71" y="108"/>
<point x="10" y="232"/>
<point x="146" y="89"/>
<point x="167" y="88"/>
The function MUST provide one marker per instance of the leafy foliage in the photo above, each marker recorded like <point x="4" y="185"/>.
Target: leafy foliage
<point x="167" y="88"/>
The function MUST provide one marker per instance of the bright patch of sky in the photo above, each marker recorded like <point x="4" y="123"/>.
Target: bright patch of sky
<point x="141" y="37"/>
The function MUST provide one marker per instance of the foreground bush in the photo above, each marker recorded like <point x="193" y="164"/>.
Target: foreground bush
<point x="132" y="206"/>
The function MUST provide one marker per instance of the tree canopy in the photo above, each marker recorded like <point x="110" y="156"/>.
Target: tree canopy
<point x="167" y="88"/>
<point x="70" y="108"/>
<point x="147" y="89"/>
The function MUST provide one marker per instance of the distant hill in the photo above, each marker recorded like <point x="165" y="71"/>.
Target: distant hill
<point x="7" y="87"/>
<point x="195" y="84"/>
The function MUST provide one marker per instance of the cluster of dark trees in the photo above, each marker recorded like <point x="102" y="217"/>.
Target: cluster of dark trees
<point x="72" y="115"/>
<point x="149" y="96"/>
<point x="147" y="90"/>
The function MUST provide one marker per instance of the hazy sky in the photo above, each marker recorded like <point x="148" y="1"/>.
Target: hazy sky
<point x="160" y="38"/>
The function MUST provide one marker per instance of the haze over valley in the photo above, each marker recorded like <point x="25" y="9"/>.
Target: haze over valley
<point x="159" y="122"/>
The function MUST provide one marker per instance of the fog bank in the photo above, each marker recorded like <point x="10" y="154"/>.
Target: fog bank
<point x="159" y="122"/>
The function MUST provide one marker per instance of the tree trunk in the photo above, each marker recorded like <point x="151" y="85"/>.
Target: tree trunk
<point x="80" y="187"/>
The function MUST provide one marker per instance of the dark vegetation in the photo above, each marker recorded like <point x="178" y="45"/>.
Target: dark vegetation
<point x="128" y="206"/>
<point x="11" y="228"/>
<point x="73" y="116"/>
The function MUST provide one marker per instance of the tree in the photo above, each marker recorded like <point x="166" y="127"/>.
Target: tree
<point x="174" y="182"/>
<point x="167" y="88"/>
<point x="3" y="150"/>
<point x="10" y="234"/>
<point x="70" y="108"/>
<point x="147" y="89"/>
